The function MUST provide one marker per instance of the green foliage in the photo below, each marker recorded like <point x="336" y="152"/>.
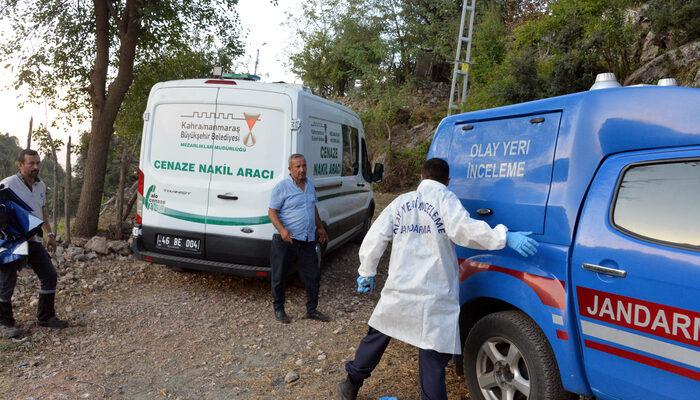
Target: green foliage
<point x="678" y="18"/>
<point x="375" y="42"/>
<point x="53" y="43"/>
<point x="406" y="165"/>
<point x="338" y="47"/>
<point x="9" y="150"/>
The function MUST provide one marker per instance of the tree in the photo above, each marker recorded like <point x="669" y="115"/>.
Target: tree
<point x="48" y="146"/>
<point x="678" y="18"/>
<point x="9" y="150"/>
<point x="81" y="56"/>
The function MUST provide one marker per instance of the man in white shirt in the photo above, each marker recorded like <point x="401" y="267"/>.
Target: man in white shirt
<point x="28" y="187"/>
<point x="419" y="304"/>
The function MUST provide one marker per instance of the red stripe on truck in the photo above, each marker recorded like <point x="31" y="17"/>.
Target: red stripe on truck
<point x="652" y="362"/>
<point x="550" y="291"/>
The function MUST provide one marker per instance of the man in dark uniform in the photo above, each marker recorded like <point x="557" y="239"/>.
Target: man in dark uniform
<point x="30" y="189"/>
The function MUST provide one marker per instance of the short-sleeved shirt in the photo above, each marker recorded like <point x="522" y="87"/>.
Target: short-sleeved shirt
<point x="296" y="208"/>
<point x="35" y="198"/>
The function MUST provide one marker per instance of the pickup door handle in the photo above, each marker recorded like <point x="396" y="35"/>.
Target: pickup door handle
<point x="227" y="196"/>
<point x="361" y="184"/>
<point x="620" y="273"/>
<point x="484" y="211"/>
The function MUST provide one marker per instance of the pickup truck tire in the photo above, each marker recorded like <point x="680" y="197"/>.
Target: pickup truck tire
<point x="506" y="356"/>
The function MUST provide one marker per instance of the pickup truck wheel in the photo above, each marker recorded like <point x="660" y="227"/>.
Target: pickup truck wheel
<point x="507" y="357"/>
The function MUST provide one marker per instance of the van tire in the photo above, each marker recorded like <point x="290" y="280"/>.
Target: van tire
<point x="534" y="367"/>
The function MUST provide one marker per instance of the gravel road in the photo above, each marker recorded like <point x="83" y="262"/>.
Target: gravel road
<point x="143" y="331"/>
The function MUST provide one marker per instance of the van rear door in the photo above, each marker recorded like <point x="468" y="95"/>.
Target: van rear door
<point x="501" y="169"/>
<point x="181" y="124"/>
<point x="251" y="146"/>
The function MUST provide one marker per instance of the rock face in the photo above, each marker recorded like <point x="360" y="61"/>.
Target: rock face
<point x="684" y="58"/>
<point x="98" y="244"/>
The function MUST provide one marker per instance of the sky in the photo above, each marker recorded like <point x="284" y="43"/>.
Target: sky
<point x="264" y="28"/>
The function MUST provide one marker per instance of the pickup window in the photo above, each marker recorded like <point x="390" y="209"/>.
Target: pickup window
<point x="659" y="202"/>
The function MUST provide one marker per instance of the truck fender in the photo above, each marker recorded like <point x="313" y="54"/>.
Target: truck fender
<point x="486" y="286"/>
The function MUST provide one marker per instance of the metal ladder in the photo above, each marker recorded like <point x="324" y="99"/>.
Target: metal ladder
<point x="462" y="59"/>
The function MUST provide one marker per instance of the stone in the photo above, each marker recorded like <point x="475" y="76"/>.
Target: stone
<point x="98" y="244"/>
<point x="116" y="246"/>
<point x="59" y="252"/>
<point x="649" y="49"/>
<point x="91" y="255"/>
<point x="72" y="251"/>
<point x="79" y="241"/>
<point x="666" y="65"/>
<point x="291" y="377"/>
<point x="299" y="362"/>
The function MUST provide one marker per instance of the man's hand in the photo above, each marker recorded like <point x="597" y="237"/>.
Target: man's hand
<point x="365" y="284"/>
<point x="51" y="244"/>
<point x="286" y="236"/>
<point x="322" y="235"/>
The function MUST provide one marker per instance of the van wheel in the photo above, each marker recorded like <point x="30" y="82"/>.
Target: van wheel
<point x="506" y="356"/>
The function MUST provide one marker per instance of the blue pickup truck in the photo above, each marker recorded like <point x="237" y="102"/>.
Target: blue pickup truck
<point x="608" y="182"/>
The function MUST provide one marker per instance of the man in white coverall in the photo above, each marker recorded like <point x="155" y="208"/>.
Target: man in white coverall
<point x="419" y="304"/>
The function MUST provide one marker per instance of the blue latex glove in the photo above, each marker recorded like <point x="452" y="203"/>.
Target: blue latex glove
<point x="521" y="243"/>
<point x="388" y="398"/>
<point x="365" y="284"/>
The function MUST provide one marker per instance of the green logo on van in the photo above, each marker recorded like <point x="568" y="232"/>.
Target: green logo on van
<point x="151" y="202"/>
<point x="147" y="198"/>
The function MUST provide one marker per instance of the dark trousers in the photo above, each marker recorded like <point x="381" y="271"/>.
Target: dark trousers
<point x="40" y="262"/>
<point x="283" y="256"/>
<point x="431" y="365"/>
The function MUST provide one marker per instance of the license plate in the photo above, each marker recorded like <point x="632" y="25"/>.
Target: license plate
<point x="170" y="242"/>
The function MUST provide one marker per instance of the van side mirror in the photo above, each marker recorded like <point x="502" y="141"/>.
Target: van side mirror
<point x="378" y="174"/>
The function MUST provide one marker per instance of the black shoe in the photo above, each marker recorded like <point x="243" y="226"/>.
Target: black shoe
<point x="46" y="314"/>
<point x="7" y="321"/>
<point x="317" y="315"/>
<point x="346" y="390"/>
<point x="9" y="332"/>
<point x="282" y="317"/>
<point x="54" y="323"/>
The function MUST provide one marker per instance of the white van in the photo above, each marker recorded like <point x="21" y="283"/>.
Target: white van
<point x="211" y="152"/>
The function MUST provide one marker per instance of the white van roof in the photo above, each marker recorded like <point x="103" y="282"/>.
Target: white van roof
<point x="293" y="90"/>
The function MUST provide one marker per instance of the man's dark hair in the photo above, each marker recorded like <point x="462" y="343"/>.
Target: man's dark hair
<point x="26" y="152"/>
<point x="436" y="169"/>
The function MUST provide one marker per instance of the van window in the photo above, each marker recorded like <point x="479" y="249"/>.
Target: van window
<point x="659" y="202"/>
<point x="351" y="164"/>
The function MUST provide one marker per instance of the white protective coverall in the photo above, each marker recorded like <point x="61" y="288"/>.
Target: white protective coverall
<point x="419" y="304"/>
